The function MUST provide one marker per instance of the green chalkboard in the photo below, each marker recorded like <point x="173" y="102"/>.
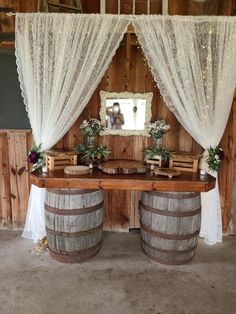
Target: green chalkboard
<point x="12" y="109"/>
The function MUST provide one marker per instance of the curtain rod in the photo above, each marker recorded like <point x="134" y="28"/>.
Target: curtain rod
<point x="11" y="14"/>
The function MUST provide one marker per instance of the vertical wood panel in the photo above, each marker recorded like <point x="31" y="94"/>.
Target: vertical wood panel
<point x="27" y="6"/>
<point x="5" y="204"/>
<point x="232" y="224"/>
<point x="120" y="210"/>
<point x="19" y="184"/>
<point x="228" y="7"/>
<point x="135" y="198"/>
<point x="107" y="226"/>
<point x="185" y="140"/>
<point x="179" y="7"/>
<point x="91" y="6"/>
<point x="227" y="174"/>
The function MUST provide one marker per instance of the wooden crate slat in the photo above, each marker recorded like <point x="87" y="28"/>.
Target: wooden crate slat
<point x="156" y="160"/>
<point x="184" y="161"/>
<point x="184" y="169"/>
<point x="182" y="164"/>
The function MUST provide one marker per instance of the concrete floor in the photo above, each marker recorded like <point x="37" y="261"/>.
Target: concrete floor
<point x="120" y="280"/>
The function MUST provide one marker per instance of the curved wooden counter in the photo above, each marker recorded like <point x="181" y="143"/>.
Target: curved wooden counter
<point x="186" y="182"/>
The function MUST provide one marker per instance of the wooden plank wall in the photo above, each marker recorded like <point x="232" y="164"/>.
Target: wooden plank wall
<point x="7" y="24"/>
<point x="14" y="185"/>
<point x="227" y="181"/>
<point x="128" y="71"/>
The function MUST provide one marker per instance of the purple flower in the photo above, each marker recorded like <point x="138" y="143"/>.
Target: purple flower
<point x="33" y="157"/>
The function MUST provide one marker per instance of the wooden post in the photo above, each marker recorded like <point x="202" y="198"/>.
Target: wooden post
<point x="118" y="6"/>
<point x="133" y="6"/>
<point x="102" y="6"/>
<point x="164" y="7"/>
<point x="148" y="7"/>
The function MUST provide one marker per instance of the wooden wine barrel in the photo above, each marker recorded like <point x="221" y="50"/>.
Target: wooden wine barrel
<point x="170" y="224"/>
<point x="73" y="220"/>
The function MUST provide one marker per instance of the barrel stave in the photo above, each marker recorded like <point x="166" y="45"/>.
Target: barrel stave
<point x="73" y="221"/>
<point x="170" y="223"/>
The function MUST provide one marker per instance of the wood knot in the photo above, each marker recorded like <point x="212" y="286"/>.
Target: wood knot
<point x="21" y="170"/>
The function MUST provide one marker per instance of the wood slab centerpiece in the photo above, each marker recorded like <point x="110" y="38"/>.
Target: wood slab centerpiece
<point x="122" y="167"/>
<point x="169" y="172"/>
<point x="76" y="170"/>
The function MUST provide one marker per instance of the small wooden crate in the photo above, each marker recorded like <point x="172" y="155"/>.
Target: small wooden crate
<point x="184" y="161"/>
<point x="156" y="161"/>
<point x="59" y="159"/>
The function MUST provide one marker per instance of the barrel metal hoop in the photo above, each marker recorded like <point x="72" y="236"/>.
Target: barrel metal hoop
<point x="70" y="191"/>
<point x="75" y="211"/>
<point x="169" y="236"/>
<point x="178" y="195"/>
<point x="170" y="213"/>
<point x="73" y="234"/>
<point x="75" y="256"/>
<point x="168" y="262"/>
<point x="169" y="251"/>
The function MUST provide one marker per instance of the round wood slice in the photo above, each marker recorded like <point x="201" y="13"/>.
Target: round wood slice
<point x="169" y="172"/>
<point x="122" y="166"/>
<point x="75" y="170"/>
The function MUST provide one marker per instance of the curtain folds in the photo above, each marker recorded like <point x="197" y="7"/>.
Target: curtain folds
<point x="61" y="58"/>
<point x="193" y="62"/>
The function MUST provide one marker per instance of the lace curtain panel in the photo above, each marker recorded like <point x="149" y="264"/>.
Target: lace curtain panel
<point x="61" y="58"/>
<point x="193" y="62"/>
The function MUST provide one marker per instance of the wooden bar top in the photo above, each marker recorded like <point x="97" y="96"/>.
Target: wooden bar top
<point x="186" y="182"/>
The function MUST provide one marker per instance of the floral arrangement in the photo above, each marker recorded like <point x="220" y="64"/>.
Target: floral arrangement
<point x="157" y="128"/>
<point x="35" y="157"/>
<point x="214" y="158"/>
<point x="99" y="153"/>
<point x="92" y="127"/>
<point x="150" y="153"/>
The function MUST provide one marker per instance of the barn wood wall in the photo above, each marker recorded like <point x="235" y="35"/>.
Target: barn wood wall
<point x="128" y="71"/>
<point x="14" y="177"/>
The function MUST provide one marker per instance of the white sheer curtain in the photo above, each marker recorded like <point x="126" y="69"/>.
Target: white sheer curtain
<point x="193" y="62"/>
<point x="61" y="58"/>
